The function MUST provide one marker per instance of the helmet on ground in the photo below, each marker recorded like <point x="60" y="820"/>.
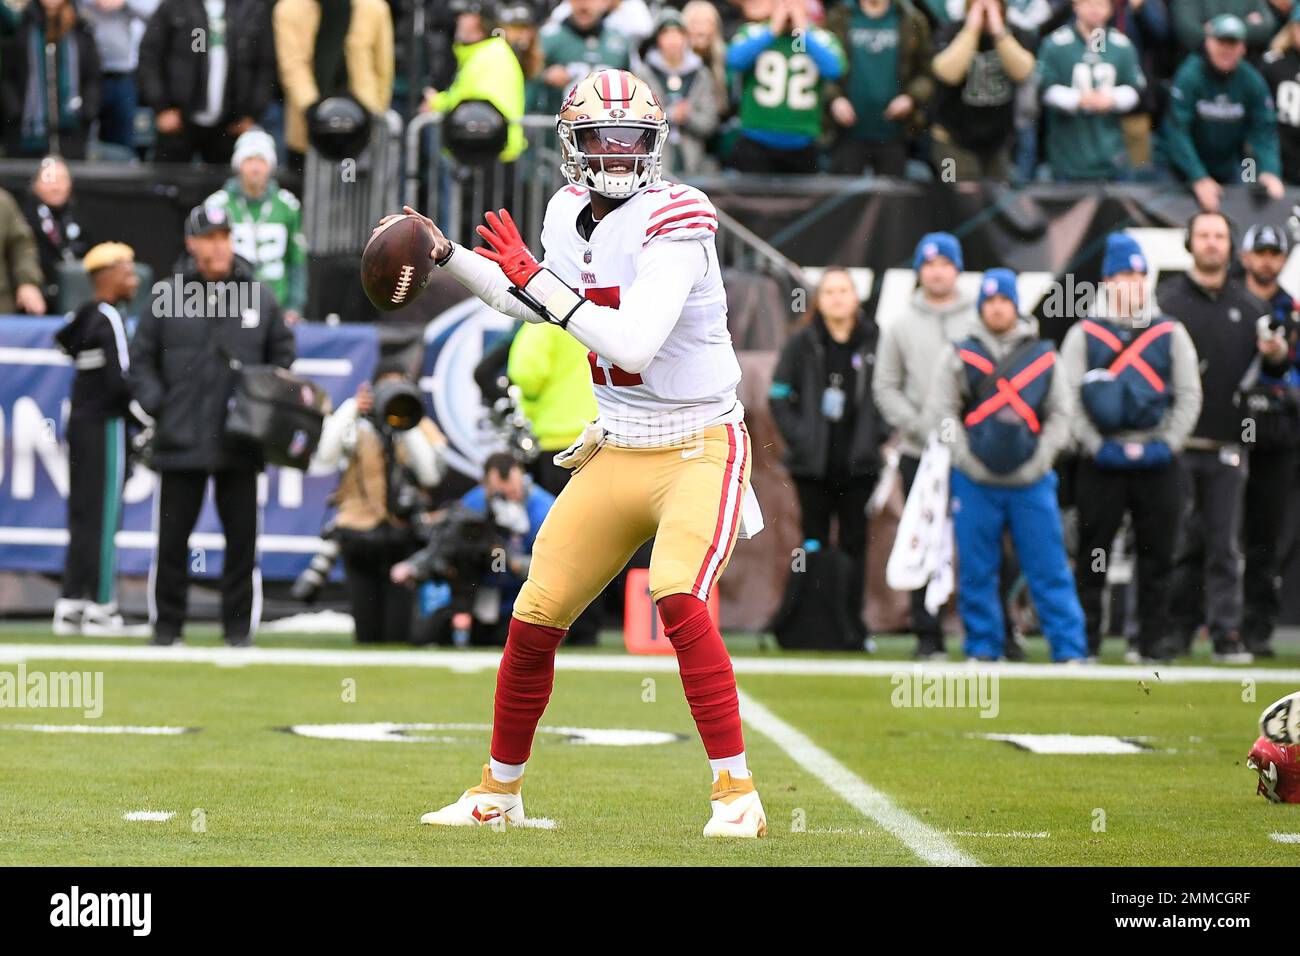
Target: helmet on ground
<point x="1278" y="767"/>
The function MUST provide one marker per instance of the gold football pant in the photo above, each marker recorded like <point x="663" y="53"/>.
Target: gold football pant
<point x="687" y="497"/>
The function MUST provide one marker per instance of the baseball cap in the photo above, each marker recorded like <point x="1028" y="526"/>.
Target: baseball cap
<point x="1227" y="27"/>
<point x="1264" y="236"/>
<point x="204" y="220"/>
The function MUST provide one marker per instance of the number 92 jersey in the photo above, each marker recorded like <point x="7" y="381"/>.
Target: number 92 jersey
<point x="691" y="382"/>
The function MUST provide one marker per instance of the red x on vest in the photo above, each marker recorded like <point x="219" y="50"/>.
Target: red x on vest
<point x="1133" y="354"/>
<point x="1008" y="391"/>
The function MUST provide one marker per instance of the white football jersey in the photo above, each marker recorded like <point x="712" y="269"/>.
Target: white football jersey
<point x="691" y="382"/>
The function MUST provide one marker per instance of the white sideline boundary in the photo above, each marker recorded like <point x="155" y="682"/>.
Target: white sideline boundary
<point x="928" y="844"/>
<point x="474" y="661"/>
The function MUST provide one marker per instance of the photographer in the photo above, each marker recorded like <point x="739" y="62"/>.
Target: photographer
<point x="481" y="547"/>
<point x="183" y="374"/>
<point x="390" y="454"/>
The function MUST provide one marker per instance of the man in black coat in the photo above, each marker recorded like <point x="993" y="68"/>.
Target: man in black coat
<point x="209" y="315"/>
<point x="205" y="94"/>
<point x="1222" y="318"/>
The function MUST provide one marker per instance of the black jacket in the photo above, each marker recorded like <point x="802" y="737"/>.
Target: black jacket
<point x="180" y="376"/>
<point x="60" y="237"/>
<point x="1222" y="327"/>
<point x="14" y="68"/>
<point x="172" y="75"/>
<point x="795" y="399"/>
<point x="95" y="338"/>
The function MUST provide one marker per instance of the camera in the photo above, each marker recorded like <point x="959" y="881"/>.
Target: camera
<point x="510" y="429"/>
<point x="398" y="405"/>
<point x="460" y="549"/>
<point x="307" y="586"/>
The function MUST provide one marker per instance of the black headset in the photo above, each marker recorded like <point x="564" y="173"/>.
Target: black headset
<point x="1191" y="221"/>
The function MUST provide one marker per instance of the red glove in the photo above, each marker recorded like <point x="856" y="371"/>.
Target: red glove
<point x="508" y="249"/>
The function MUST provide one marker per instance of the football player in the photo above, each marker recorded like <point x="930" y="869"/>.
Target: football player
<point x="630" y="271"/>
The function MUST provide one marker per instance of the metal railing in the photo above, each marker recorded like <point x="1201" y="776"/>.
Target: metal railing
<point x="343" y="199"/>
<point x="455" y="195"/>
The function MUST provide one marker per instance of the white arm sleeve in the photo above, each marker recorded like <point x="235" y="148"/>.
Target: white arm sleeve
<point x="422" y="457"/>
<point x="486" y="280"/>
<point x="631" y="335"/>
<point x="1062" y="98"/>
<point x="336" y="436"/>
<point x="1125" y="98"/>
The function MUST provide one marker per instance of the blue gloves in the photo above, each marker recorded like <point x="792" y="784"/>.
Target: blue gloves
<point x="1152" y="454"/>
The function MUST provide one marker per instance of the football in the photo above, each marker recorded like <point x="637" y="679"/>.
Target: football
<point x="395" y="265"/>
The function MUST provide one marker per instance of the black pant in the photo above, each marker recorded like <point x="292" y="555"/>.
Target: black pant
<point x="213" y="144"/>
<point x="851" y="156"/>
<point x="547" y="474"/>
<point x="1207" y="564"/>
<point x="926" y="625"/>
<point x="180" y="498"/>
<point x="844" y="499"/>
<point x="751" y="156"/>
<point x="96" y="472"/>
<point x="1102" y="496"/>
<point x="381" y="609"/>
<point x="1268" y="494"/>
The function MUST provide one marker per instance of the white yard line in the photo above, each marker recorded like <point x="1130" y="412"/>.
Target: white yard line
<point x="1284" y="837"/>
<point x="927" y="843"/>
<point x="470" y="661"/>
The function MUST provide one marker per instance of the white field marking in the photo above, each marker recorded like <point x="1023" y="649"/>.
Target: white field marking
<point x="927" y="843"/>
<point x="1013" y="835"/>
<point x="97" y="729"/>
<point x="534" y="823"/>
<point x="1069" y="743"/>
<point x="149" y="816"/>
<point x="1284" y="837"/>
<point x="473" y="661"/>
<point x="423" y="734"/>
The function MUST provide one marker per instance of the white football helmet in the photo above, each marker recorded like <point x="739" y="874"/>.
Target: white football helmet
<point x="612" y="133"/>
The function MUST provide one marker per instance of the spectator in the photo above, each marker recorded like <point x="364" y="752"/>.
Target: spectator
<point x="888" y="84"/>
<point x="554" y="378"/>
<point x="182" y="375"/>
<point x="1137" y="392"/>
<point x="631" y="19"/>
<point x="390" y="454"/>
<point x="266" y="222"/>
<point x="1220" y="108"/>
<point x="905" y="369"/>
<point x="518" y="22"/>
<point x="1005" y="411"/>
<point x="686" y="91"/>
<point x="783" y="65"/>
<point x="1032" y="16"/>
<point x="20" y="264"/>
<point x="1220" y="315"/>
<point x="204" y="98"/>
<point x="52" y="214"/>
<point x="95" y="340"/>
<point x="1270" y="402"/>
<point x="30" y="82"/>
<point x="1281" y="69"/>
<point x="1193" y="17"/>
<point x="486" y="69"/>
<point x="821" y="400"/>
<point x="704" y="29"/>
<point x="1089" y="76"/>
<point x="516" y="508"/>
<point x="325" y="47"/>
<point x="1147" y="26"/>
<point x="582" y="43"/>
<point x="978" y="64"/>
<point x="118" y="26"/>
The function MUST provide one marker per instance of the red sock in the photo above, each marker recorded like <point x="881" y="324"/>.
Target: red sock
<point x="706" y="673"/>
<point x="524" y="682"/>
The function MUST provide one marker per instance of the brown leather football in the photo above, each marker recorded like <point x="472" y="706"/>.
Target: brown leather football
<point x="395" y="265"/>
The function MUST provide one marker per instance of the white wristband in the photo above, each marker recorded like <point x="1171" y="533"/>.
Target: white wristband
<point x="556" y="299"/>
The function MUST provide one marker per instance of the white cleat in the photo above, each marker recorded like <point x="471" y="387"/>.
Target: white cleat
<point x="1280" y="721"/>
<point x="737" y="811"/>
<point x="491" y="803"/>
<point x="68" y="613"/>
<point x="103" y="620"/>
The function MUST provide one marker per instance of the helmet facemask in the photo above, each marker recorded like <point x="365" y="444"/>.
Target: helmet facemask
<point x="616" y="160"/>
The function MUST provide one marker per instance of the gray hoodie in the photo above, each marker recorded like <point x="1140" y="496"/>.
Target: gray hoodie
<point x="950" y="394"/>
<point x="908" y="357"/>
<point x="1185" y="384"/>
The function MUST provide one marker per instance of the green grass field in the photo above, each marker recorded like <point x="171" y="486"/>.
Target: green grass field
<point x="243" y="790"/>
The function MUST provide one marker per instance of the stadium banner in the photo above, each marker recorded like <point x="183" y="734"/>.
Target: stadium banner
<point x="35" y="378"/>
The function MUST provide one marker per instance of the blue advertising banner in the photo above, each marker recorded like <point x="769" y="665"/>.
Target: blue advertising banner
<point x="35" y="378"/>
